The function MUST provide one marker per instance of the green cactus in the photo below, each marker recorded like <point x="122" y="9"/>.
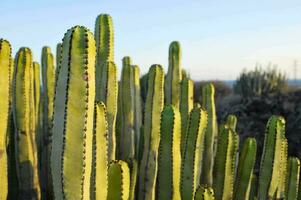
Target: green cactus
<point x="5" y="66"/>
<point x="193" y="152"/>
<point x="99" y="183"/>
<point x="245" y="169"/>
<point x="210" y="134"/>
<point x="186" y="105"/>
<point x="25" y="132"/>
<point x="119" y="181"/>
<point x="292" y="179"/>
<point x="204" y="193"/>
<point x="133" y="165"/>
<point x="153" y="107"/>
<point x="58" y="58"/>
<point x="37" y="94"/>
<point x="270" y="166"/>
<point x="169" y="161"/>
<point x="283" y="170"/>
<point x="174" y="75"/>
<point x="231" y="122"/>
<point x="253" y="188"/>
<point x="224" y="165"/>
<point x="71" y="155"/>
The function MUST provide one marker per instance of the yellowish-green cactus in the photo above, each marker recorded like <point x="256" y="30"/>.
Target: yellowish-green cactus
<point x="283" y="170"/>
<point x="292" y="178"/>
<point x="186" y="105"/>
<point x="25" y="131"/>
<point x="224" y="165"/>
<point x="231" y="122"/>
<point x="169" y="161"/>
<point x="174" y="75"/>
<point x="71" y="155"/>
<point x="204" y="193"/>
<point x="58" y="57"/>
<point x="210" y="135"/>
<point x="5" y="69"/>
<point x="253" y="188"/>
<point x="245" y="167"/>
<point x="99" y="181"/>
<point x="193" y="152"/>
<point x="270" y="166"/>
<point x="153" y="107"/>
<point x="119" y="181"/>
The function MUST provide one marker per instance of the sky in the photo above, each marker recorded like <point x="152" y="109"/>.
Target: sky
<point x="218" y="38"/>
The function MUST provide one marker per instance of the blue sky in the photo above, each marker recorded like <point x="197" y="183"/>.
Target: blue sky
<point x="218" y="38"/>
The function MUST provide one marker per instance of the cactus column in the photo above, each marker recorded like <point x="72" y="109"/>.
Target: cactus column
<point x="25" y="133"/>
<point x="106" y="75"/>
<point x="153" y="107"/>
<point x="5" y="69"/>
<point x="174" y="75"/>
<point x="292" y="179"/>
<point x="71" y="156"/>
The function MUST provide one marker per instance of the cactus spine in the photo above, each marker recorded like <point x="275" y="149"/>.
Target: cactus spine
<point x="204" y="193"/>
<point x="106" y="75"/>
<point x="25" y="132"/>
<point x="210" y="134"/>
<point x="193" y="152"/>
<point x="270" y="166"/>
<point x="292" y="179"/>
<point x="245" y="169"/>
<point x="174" y="75"/>
<point x="99" y="183"/>
<point x="224" y="167"/>
<point x="71" y="156"/>
<point x="5" y="69"/>
<point x="186" y="105"/>
<point x="153" y="107"/>
<point x="169" y="161"/>
<point x="119" y="181"/>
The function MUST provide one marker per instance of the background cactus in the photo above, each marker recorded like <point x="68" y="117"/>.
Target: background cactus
<point x="204" y="193"/>
<point x="292" y="179"/>
<point x="71" y="157"/>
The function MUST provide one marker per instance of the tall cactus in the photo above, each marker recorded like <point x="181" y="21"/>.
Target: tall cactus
<point x="270" y="166"/>
<point x="245" y="167"/>
<point x="119" y="181"/>
<point x="58" y="58"/>
<point x="169" y="161"/>
<point x="174" y="75"/>
<point x="231" y="122"/>
<point x="153" y="107"/>
<point x="210" y="134"/>
<point x="37" y="90"/>
<point x="5" y="69"/>
<point x="292" y="179"/>
<point x="193" y="152"/>
<point x="99" y="183"/>
<point x="204" y="193"/>
<point x="25" y="132"/>
<point x="224" y="165"/>
<point x="283" y="170"/>
<point x="186" y="105"/>
<point x="71" y="156"/>
<point x="106" y="75"/>
<point x="253" y="188"/>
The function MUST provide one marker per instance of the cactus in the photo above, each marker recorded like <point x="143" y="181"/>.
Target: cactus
<point x="119" y="181"/>
<point x="210" y="134"/>
<point x="204" y="193"/>
<point x="37" y="94"/>
<point x="193" y="152"/>
<point x="224" y="165"/>
<point x="292" y="179"/>
<point x="71" y="156"/>
<point x="283" y="170"/>
<point x="186" y="105"/>
<point x="231" y="122"/>
<point x="245" y="169"/>
<point x="58" y="58"/>
<point x="153" y="107"/>
<point x="174" y="75"/>
<point x="253" y="188"/>
<point x="169" y="161"/>
<point x="25" y="132"/>
<point x="5" y="66"/>
<point x="270" y="166"/>
<point x="99" y="183"/>
<point x="106" y="75"/>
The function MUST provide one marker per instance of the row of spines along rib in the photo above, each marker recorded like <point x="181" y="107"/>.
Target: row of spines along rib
<point x="71" y="156"/>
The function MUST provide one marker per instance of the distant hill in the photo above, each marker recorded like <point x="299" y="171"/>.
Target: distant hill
<point x="290" y="82"/>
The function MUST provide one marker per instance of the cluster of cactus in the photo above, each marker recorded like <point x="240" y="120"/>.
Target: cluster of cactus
<point x="75" y="132"/>
<point x="259" y="82"/>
